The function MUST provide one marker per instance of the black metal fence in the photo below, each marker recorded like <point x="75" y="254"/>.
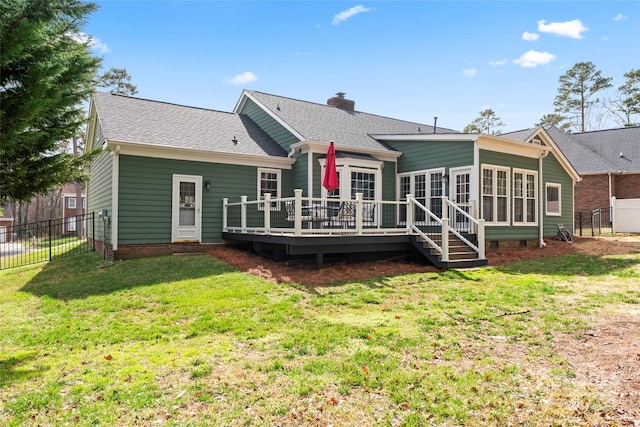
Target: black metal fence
<point x="598" y="222"/>
<point x="23" y="244"/>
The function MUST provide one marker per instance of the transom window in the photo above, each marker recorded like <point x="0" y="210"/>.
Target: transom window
<point x="495" y="194"/>
<point x="525" y="197"/>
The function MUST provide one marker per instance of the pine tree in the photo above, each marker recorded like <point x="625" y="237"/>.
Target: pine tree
<point x="487" y="122"/>
<point x="119" y="80"/>
<point x="575" y="98"/>
<point x="45" y="75"/>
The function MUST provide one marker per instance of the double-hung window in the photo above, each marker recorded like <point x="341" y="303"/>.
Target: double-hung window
<point x="269" y="182"/>
<point x="495" y="195"/>
<point x="553" y="199"/>
<point x="71" y="202"/>
<point x="525" y="198"/>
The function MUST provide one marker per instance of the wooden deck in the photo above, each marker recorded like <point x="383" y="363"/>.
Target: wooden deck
<point x="302" y="226"/>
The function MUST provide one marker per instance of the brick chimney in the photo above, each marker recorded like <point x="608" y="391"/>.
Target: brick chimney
<point x="339" y="101"/>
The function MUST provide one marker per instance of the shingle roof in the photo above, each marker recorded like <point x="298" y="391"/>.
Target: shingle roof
<point x="129" y="119"/>
<point x="321" y="122"/>
<point x="599" y="151"/>
<point x="523" y="135"/>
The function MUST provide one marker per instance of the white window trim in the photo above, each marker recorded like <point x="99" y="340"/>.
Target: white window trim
<point x="278" y="172"/>
<point x="71" y="201"/>
<point x="495" y="169"/>
<point x="546" y="199"/>
<point x="526" y="172"/>
<point x="347" y="165"/>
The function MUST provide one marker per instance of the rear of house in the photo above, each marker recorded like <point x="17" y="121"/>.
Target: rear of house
<point x="166" y="170"/>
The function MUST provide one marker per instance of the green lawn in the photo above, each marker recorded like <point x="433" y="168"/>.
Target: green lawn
<point x="182" y="341"/>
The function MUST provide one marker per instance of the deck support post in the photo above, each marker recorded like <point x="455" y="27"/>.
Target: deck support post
<point x="243" y="213"/>
<point x="319" y="260"/>
<point x="267" y="213"/>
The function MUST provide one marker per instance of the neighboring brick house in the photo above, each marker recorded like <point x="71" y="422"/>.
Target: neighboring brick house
<point x="72" y="207"/>
<point x="608" y="162"/>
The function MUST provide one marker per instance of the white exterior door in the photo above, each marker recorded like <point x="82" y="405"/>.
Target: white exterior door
<point x="187" y="208"/>
<point x="461" y="182"/>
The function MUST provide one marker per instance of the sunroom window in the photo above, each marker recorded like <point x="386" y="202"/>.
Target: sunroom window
<point x="525" y="199"/>
<point x="495" y="195"/>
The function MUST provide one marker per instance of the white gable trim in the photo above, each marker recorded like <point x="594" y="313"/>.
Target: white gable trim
<point x="546" y="138"/>
<point x="195" y="155"/>
<point x="243" y="99"/>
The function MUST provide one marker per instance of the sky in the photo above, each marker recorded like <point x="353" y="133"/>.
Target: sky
<point x="410" y="60"/>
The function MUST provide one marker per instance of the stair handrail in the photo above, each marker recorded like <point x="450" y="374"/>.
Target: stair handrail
<point x="411" y="201"/>
<point x="479" y="223"/>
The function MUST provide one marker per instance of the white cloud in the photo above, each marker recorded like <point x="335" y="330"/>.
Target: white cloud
<point x="470" y="72"/>
<point x="620" y="17"/>
<point x="605" y="38"/>
<point x="92" y="42"/>
<point x="573" y="29"/>
<point x="530" y="37"/>
<point x="346" y="14"/>
<point x="533" y="58"/>
<point x="498" y="63"/>
<point x="241" y="79"/>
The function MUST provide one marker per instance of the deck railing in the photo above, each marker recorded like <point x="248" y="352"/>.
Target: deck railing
<point x="312" y="216"/>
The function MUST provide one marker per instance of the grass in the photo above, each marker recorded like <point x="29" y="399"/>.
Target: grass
<point x="190" y="341"/>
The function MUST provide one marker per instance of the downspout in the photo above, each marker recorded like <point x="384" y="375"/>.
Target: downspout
<point x="541" y="203"/>
<point x="115" y="194"/>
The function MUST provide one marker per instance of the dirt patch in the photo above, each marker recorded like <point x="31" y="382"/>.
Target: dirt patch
<point x="606" y="358"/>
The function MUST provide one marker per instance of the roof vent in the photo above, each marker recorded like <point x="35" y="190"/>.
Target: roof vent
<point x="339" y="101"/>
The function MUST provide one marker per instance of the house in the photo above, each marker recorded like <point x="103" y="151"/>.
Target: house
<point x="608" y="162"/>
<point x="173" y="178"/>
<point x="72" y="207"/>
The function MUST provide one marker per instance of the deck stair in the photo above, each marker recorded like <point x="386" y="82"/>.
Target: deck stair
<point x="460" y="254"/>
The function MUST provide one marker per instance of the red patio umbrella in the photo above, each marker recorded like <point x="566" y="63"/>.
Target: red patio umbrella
<point x="330" y="180"/>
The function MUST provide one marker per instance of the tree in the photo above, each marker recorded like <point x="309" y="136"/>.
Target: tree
<point x="575" y="98"/>
<point x="119" y="80"/>
<point x="45" y="74"/>
<point x="487" y="122"/>
<point x="553" y="119"/>
<point x="627" y="101"/>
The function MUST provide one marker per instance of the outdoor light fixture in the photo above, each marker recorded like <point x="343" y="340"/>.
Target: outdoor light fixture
<point x="207" y="185"/>
<point x="445" y="178"/>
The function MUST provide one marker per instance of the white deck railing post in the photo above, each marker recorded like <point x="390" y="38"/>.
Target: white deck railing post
<point x="267" y="213"/>
<point x="481" y="238"/>
<point x="243" y="213"/>
<point x="445" y="239"/>
<point x="225" y="202"/>
<point x="359" y="214"/>
<point x="409" y="213"/>
<point x="298" y="212"/>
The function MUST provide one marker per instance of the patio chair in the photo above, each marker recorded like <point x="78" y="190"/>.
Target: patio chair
<point x="346" y="215"/>
<point x="290" y="209"/>
<point x="368" y="213"/>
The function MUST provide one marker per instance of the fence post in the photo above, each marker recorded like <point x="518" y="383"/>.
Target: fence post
<point x="50" y="237"/>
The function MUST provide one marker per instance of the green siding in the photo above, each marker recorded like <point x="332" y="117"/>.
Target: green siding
<point x="299" y="174"/>
<point x="100" y="188"/>
<point x="146" y="195"/>
<point x="274" y="129"/>
<point x="553" y="172"/>
<point x="432" y="154"/>
<point x="507" y="160"/>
